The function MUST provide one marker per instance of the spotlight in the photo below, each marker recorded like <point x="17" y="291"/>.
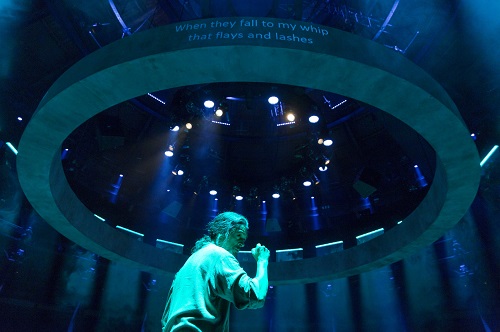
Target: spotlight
<point x="323" y="168"/>
<point x="327" y="142"/>
<point x="219" y="112"/>
<point x="175" y="128"/>
<point x="213" y="192"/>
<point x="307" y="183"/>
<point x="208" y="104"/>
<point x="326" y="160"/>
<point x="121" y="175"/>
<point x="313" y="119"/>
<point x="276" y="195"/>
<point x="316" y="180"/>
<point x="189" y="126"/>
<point x="180" y="172"/>
<point x="290" y="117"/>
<point x="273" y="100"/>
<point x="169" y="153"/>
<point x="320" y="141"/>
<point x="239" y="198"/>
<point x="19" y="118"/>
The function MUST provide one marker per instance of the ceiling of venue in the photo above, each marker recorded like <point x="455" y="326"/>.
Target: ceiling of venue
<point x="379" y="169"/>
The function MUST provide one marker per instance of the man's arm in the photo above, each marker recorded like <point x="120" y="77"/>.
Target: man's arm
<point x="261" y="255"/>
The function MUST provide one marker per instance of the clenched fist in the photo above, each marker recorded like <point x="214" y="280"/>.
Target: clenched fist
<point x="260" y="252"/>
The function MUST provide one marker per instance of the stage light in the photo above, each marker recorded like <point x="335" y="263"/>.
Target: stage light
<point x="290" y="117"/>
<point x="313" y="119"/>
<point x="157" y="99"/>
<point x="323" y="168"/>
<point x="327" y="142"/>
<point x="19" y="118"/>
<point x="492" y="151"/>
<point x="239" y="198"/>
<point x="320" y="141"/>
<point x="169" y="153"/>
<point x="221" y="123"/>
<point x="121" y="175"/>
<point x="276" y="195"/>
<point x="213" y="192"/>
<point x="208" y="104"/>
<point x="219" y="112"/>
<point x="175" y="128"/>
<point x="307" y="183"/>
<point x="11" y="147"/>
<point x="99" y="217"/>
<point x="273" y="100"/>
<point x="180" y="172"/>
<point x="130" y="231"/>
<point x="368" y="236"/>
<point x="189" y="126"/>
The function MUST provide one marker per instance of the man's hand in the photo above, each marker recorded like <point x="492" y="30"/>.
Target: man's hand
<point x="260" y="252"/>
<point x="261" y="255"/>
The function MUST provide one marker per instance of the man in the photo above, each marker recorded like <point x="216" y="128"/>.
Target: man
<point x="212" y="279"/>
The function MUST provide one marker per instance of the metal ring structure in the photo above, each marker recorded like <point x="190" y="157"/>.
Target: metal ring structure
<point x="324" y="59"/>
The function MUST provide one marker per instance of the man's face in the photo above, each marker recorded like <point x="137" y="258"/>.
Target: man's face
<point x="236" y="240"/>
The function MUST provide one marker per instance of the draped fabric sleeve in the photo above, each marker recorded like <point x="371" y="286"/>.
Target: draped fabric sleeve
<point x="234" y="285"/>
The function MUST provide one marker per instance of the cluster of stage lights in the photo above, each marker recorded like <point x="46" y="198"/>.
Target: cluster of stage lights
<point x="273" y="100"/>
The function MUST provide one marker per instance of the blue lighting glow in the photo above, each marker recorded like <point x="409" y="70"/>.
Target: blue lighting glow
<point x="169" y="153"/>
<point x="175" y="128"/>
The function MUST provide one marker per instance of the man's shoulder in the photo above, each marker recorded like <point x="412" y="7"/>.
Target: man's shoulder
<point x="212" y="250"/>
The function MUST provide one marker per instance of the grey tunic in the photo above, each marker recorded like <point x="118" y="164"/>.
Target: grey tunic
<point x="203" y="290"/>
